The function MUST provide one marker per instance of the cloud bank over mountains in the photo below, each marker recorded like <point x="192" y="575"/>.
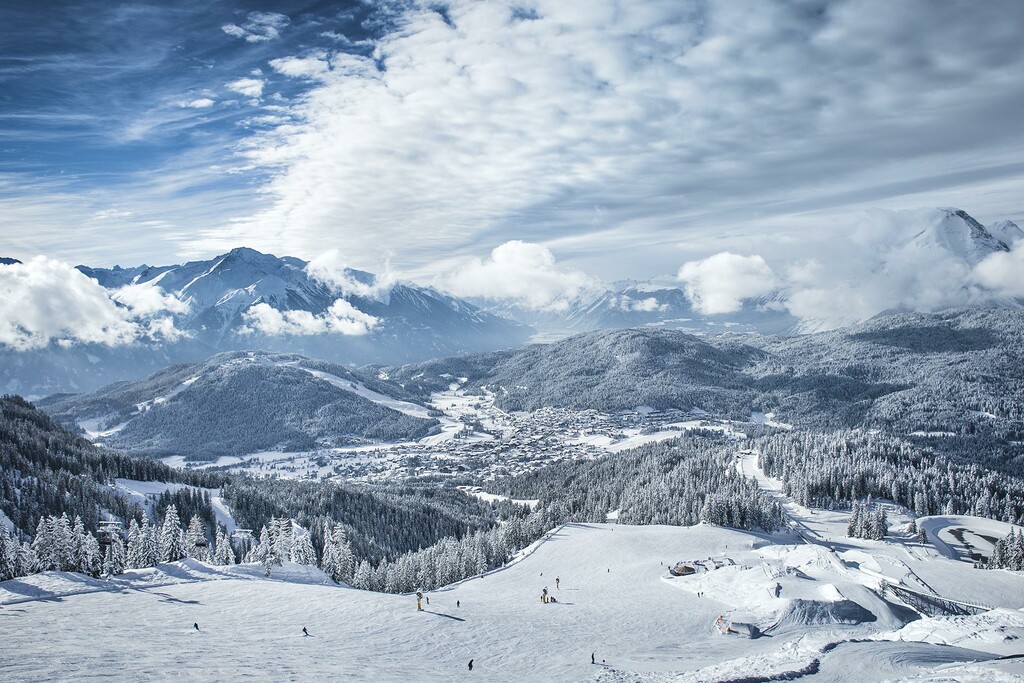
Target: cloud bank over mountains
<point x="45" y="300"/>
<point x="522" y="272"/>
<point x="923" y="260"/>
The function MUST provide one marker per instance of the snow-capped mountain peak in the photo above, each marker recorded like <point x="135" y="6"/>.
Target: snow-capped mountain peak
<point x="958" y="233"/>
<point x="1006" y="231"/>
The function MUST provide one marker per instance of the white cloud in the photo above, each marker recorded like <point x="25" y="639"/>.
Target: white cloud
<point x="148" y="299"/>
<point x="109" y="214"/>
<point x="654" y="126"/>
<point x="648" y="305"/>
<point x="259" y="27"/>
<point x="720" y="283"/>
<point x="330" y="268"/>
<point x="341" y="318"/>
<point x="198" y="103"/>
<point x="312" y="66"/>
<point x="524" y="272"/>
<point x="249" y="87"/>
<point x="47" y="301"/>
<point x="1003" y="272"/>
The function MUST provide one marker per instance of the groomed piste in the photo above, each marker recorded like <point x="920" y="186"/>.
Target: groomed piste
<point x="788" y="610"/>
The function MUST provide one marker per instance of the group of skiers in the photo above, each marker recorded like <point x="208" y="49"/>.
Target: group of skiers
<point x="545" y="596"/>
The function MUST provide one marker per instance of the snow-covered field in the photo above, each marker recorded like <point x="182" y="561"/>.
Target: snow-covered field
<point x="616" y="600"/>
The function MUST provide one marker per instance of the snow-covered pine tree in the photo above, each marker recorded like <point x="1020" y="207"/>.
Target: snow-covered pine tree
<point x="91" y="557"/>
<point x="43" y="546"/>
<point x="330" y="559"/>
<point x="196" y="545"/>
<point x="282" y="535"/>
<point x="79" y="562"/>
<point x="8" y="555"/>
<point x="303" y="551"/>
<point x="150" y="544"/>
<point x="342" y="559"/>
<point x="878" y="524"/>
<point x="25" y="562"/>
<point x="63" y="543"/>
<point x="134" y="552"/>
<point x="1015" y="554"/>
<point x="853" y="527"/>
<point x="172" y="545"/>
<point x="223" y="554"/>
<point x="264" y="552"/>
<point x="364" y="576"/>
<point x="998" y="558"/>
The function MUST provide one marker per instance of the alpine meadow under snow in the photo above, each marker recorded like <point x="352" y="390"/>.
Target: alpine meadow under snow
<point x="512" y="340"/>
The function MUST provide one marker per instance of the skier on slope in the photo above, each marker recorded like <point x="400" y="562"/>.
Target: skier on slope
<point x="471" y="665"/>
<point x="557" y="581"/>
<point x="304" y="631"/>
<point x="196" y="625"/>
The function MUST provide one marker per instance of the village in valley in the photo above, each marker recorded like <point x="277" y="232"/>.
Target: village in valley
<point x="477" y="439"/>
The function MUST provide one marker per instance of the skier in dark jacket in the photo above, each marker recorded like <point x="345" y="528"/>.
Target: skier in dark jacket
<point x="471" y="665"/>
<point x="304" y="631"/>
<point x="196" y="626"/>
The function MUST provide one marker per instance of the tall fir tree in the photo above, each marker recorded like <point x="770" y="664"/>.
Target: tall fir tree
<point x="172" y="544"/>
<point x="303" y="551"/>
<point x="223" y="554"/>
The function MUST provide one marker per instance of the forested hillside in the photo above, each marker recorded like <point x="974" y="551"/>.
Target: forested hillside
<point x="46" y="470"/>
<point x="238" y="403"/>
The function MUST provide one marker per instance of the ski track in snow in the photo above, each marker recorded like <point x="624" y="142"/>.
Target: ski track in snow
<point x="359" y="389"/>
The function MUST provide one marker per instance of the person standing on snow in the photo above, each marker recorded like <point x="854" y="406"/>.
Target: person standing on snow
<point x="471" y="665"/>
<point x="557" y="581"/>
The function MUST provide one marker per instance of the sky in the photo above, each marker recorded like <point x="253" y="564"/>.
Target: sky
<point x="466" y="143"/>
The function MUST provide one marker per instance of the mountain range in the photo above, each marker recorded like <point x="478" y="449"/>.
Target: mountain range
<point x="245" y="300"/>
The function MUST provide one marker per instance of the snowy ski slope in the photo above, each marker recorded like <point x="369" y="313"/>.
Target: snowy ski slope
<point x="616" y="600"/>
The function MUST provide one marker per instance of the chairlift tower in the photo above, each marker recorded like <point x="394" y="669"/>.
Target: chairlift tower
<point x="106" y="531"/>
